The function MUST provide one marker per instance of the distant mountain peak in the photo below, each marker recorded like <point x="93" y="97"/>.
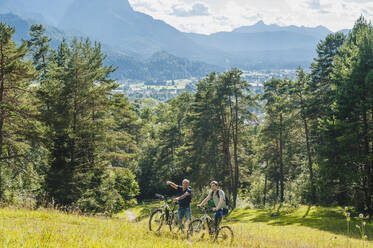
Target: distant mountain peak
<point x="121" y="6"/>
<point x="260" y="26"/>
<point x="260" y="23"/>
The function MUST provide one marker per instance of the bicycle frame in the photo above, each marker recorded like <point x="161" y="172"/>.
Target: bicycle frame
<point x="197" y="229"/>
<point x="164" y="214"/>
<point x="167" y="209"/>
<point x="206" y="218"/>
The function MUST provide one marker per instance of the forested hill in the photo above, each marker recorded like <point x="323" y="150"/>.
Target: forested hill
<point x="160" y="66"/>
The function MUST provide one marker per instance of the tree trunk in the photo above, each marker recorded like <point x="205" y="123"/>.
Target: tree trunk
<point x="93" y="138"/>
<point x="2" y="82"/>
<point x="265" y="190"/>
<point x="313" y="191"/>
<point x="277" y="177"/>
<point x="367" y="165"/>
<point x="72" y="151"/>
<point x="277" y="187"/>
<point x="281" y="164"/>
<point x="371" y="166"/>
<point x="235" y="144"/>
<point x="226" y="145"/>
<point x="227" y="158"/>
<point x="308" y="146"/>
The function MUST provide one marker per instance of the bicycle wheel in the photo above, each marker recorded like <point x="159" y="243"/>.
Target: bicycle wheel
<point x="224" y="235"/>
<point x="173" y="223"/>
<point x="156" y="220"/>
<point x="197" y="231"/>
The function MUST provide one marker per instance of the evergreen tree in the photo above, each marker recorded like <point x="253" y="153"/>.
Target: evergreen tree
<point x="350" y="128"/>
<point x="300" y="98"/>
<point x="219" y="114"/>
<point x="18" y="115"/>
<point x="276" y="105"/>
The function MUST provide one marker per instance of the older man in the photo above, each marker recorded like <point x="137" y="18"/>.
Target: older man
<point x="184" y="198"/>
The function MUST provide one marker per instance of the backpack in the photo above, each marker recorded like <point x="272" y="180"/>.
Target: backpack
<point x="227" y="201"/>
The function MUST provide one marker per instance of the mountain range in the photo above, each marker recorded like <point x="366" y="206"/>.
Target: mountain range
<point x="133" y="39"/>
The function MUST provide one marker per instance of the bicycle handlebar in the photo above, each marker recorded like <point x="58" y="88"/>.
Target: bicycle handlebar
<point x="205" y="209"/>
<point x="163" y="197"/>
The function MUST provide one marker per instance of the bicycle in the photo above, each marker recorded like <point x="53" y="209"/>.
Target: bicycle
<point x="204" y="226"/>
<point x="163" y="214"/>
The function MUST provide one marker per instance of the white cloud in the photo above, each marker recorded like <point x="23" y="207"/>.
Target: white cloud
<point x="359" y="1"/>
<point x="209" y="16"/>
<point x="197" y="9"/>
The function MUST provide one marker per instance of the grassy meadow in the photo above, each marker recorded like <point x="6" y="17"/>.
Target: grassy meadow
<point x="300" y="227"/>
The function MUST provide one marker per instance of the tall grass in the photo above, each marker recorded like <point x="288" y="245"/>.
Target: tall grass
<point x="322" y="227"/>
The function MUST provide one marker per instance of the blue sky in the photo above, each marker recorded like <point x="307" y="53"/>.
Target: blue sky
<point x="209" y="16"/>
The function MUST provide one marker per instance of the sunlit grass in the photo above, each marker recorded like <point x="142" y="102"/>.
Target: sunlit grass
<point x="320" y="227"/>
<point x="293" y="227"/>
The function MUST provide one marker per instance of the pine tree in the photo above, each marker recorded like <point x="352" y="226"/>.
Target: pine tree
<point x="300" y="99"/>
<point x="39" y="46"/>
<point x="352" y="127"/>
<point x="218" y="116"/>
<point x="81" y="110"/>
<point x="276" y="106"/>
<point x="18" y="122"/>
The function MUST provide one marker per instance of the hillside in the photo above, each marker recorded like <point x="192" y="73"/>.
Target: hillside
<point x="115" y="23"/>
<point x="160" y="66"/>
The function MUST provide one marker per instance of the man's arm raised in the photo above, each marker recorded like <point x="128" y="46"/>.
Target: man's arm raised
<point x="173" y="185"/>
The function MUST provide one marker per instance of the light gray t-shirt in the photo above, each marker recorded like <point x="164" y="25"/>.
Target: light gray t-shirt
<point x="216" y="198"/>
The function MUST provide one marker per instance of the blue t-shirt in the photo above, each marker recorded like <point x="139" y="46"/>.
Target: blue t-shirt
<point x="184" y="203"/>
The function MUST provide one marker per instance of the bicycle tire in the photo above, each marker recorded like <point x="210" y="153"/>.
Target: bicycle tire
<point x="173" y="222"/>
<point x="196" y="230"/>
<point x="224" y="235"/>
<point x="157" y="216"/>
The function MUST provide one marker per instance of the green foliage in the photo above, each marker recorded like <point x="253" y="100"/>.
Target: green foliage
<point x="88" y="130"/>
<point x="65" y="136"/>
<point x="314" y="144"/>
<point x="20" y="129"/>
<point x="219" y="120"/>
<point x="126" y="186"/>
<point x="160" y="66"/>
<point x="116" y="192"/>
<point x="348" y="161"/>
<point x="162" y="156"/>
